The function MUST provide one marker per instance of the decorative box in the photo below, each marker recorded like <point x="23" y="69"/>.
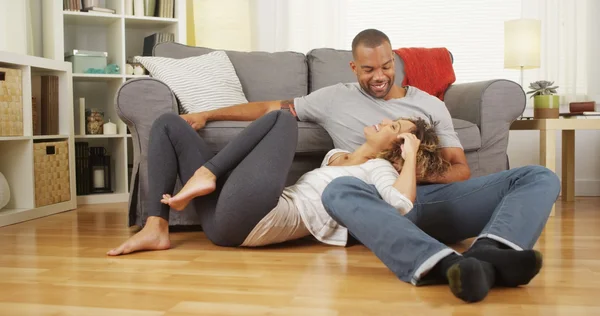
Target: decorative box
<point x="11" y="102"/>
<point x="86" y="61"/>
<point x="51" y="172"/>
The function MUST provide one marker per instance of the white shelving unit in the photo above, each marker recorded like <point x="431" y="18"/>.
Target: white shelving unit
<point x="16" y="152"/>
<point x="121" y="36"/>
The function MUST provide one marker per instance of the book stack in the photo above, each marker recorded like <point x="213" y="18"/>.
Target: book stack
<point x="82" y="168"/>
<point x="77" y="5"/>
<point x="72" y="5"/>
<point x="99" y="10"/>
<point x="165" y="9"/>
<point x="154" y="39"/>
<point x="34" y="112"/>
<point x="49" y="105"/>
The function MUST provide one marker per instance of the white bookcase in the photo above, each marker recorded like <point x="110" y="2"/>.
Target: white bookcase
<point x="17" y="152"/>
<point x="121" y="36"/>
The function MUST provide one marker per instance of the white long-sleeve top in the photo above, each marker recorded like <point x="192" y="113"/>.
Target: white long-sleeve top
<point x="304" y="199"/>
<point x="306" y="194"/>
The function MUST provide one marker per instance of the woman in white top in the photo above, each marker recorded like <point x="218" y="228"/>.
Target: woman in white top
<point x="241" y="191"/>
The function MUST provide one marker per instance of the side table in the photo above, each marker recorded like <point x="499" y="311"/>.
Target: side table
<point x="548" y="128"/>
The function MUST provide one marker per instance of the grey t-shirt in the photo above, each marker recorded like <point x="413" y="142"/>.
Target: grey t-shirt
<point x="343" y="110"/>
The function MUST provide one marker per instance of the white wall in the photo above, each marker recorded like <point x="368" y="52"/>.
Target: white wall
<point x="13" y="30"/>
<point x="25" y="29"/>
<point x="36" y="26"/>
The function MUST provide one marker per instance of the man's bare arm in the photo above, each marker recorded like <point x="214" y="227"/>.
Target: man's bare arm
<point x="240" y="112"/>
<point x="458" y="171"/>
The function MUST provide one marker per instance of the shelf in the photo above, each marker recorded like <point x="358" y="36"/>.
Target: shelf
<point x="89" y="18"/>
<point x="12" y="216"/>
<point x="121" y="36"/>
<point x="148" y="21"/>
<point x="50" y="137"/>
<point x="13" y="138"/>
<point x="96" y="77"/>
<point x="99" y="136"/>
<point x="36" y="63"/>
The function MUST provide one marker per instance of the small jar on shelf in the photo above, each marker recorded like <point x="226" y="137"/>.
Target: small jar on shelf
<point x="94" y="121"/>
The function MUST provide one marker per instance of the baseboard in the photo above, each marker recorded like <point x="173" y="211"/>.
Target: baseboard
<point x="587" y="187"/>
<point x="102" y="198"/>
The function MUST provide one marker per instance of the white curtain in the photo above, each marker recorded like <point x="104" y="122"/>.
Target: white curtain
<point x="565" y="45"/>
<point x="297" y="25"/>
<point x="471" y="29"/>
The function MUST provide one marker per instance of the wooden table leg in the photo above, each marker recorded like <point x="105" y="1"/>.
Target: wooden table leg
<point x="548" y="153"/>
<point x="568" y="165"/>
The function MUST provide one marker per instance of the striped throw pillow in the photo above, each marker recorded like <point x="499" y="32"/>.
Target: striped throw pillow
<point x="201" y="83"/>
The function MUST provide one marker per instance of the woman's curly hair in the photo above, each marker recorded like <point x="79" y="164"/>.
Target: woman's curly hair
<point x="429" y="158"/>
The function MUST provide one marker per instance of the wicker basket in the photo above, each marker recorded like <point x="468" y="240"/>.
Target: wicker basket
<point x="11" y="102"/>
<point x="51" y="169"/>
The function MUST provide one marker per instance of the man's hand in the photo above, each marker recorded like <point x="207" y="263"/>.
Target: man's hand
<point x="195" y="120"/>
<point x="459" y="168"/>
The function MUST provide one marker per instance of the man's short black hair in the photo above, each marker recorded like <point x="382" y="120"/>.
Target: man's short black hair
<point x="369" y="38"/>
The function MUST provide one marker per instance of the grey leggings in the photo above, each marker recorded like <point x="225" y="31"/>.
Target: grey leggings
<point x="251" y="172"/>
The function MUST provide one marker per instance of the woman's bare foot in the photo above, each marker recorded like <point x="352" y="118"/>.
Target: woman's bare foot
<point x="154" y="236"/>
<point x="203" y="182"/>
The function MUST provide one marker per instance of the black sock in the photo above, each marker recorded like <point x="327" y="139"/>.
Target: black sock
<point x="487" y="243"/>
<point x="440" y="269"/>
<point x="513" y="267"/>
<point x="468" y="278"/>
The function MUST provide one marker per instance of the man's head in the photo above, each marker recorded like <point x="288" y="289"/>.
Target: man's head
<point x="373" y="62"/>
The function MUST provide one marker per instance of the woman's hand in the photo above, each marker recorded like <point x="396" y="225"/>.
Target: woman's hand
<point x="410" y="146"/>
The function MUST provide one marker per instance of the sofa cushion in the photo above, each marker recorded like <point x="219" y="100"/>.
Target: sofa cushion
<point x="314" y="139"/>
<point x="329" y="66"/>
<point x="311" y="137"/>
<point x="264" y="76"/>
<point x="201" y="83"/>
<point x="468" y="134"/>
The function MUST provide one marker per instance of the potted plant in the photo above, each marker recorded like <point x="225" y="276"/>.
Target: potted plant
<point x="545" y="101"/>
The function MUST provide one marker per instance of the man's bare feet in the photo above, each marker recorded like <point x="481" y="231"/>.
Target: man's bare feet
<point x="154" y="236"/>
<point x="203" y="182"/>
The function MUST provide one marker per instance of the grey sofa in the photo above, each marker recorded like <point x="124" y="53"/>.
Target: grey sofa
<point x="482" y="112"/>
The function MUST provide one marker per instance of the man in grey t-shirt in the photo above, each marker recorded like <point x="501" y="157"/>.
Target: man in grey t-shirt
<point x="506" y="211"/>
<point x="329" y="107"/>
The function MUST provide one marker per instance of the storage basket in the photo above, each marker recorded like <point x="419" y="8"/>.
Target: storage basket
<point x="11" y="102"/>
<point x="51" y="172"/>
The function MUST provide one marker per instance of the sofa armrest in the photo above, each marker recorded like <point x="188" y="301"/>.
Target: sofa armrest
<point x="492" y="105"/>
<point x="139" y="102"/>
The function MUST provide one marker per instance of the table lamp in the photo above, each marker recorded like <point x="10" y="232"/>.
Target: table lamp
<point x="522" y="44"/>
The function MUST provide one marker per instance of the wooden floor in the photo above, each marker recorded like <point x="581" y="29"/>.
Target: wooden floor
<point x="57" y="266"/>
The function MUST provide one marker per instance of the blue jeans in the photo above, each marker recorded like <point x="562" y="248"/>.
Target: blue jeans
<point x="511" y="207"/>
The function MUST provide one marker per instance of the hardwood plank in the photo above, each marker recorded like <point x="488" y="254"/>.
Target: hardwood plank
<point x="57" y="266"/>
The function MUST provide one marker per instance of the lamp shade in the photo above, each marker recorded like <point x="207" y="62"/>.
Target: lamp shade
<point x="522" y="43"/>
